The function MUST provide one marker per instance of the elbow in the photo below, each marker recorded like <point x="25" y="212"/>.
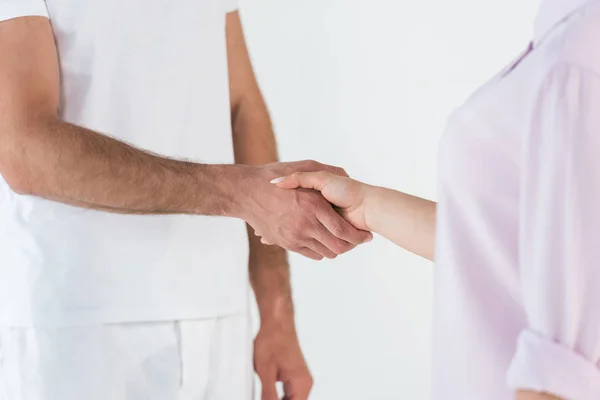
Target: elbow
<point x="18" y="182"/>
<point x="14" y="167"/>
<point x="15" y="174"/>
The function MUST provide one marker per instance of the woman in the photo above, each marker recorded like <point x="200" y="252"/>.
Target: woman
<point x="517" y="231"/>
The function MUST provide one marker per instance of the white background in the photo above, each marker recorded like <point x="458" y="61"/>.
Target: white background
<point x="367" y="85"/>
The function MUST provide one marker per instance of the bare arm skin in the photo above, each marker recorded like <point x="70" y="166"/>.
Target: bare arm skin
<point x="42" y="156"/>
<point x="277" y="351"/>
<point x="406" y="220"/>
<point x="524" y="395"/>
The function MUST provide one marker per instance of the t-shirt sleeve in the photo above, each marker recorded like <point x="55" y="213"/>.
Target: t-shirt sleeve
<point x="559" y="351"/>
<point x="10" y="9"/>
<point x="230" y="5"/>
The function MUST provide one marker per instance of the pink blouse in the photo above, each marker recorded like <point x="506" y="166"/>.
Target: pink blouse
<point x="518" y="238"/>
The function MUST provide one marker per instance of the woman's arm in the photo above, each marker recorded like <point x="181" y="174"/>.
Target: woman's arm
<point x="406" y="220"/>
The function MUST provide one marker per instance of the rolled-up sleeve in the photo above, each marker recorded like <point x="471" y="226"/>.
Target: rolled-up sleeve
<point x="559" y="241"/>
<point x="10" y="9"/>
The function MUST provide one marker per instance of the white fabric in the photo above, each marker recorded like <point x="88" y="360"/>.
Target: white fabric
<point x="518" y="251"/>
<point x="10" y="9"/>
<point x="188" y="360"/>
<point x="154" y="74"/>
<point x="231" y="5"/>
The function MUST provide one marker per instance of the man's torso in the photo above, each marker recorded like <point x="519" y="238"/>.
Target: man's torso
<point x="152" y="74"/>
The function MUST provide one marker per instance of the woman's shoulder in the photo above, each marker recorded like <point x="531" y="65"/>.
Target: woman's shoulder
<point x="577" y="43"/>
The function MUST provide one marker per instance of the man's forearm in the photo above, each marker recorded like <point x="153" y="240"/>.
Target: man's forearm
<point x="270" y="279"/>
<point x="66" y="163"/>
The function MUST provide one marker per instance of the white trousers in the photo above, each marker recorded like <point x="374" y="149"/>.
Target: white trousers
<point x="186" y="360"/>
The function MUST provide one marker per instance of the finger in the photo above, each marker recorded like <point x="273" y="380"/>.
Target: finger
<point x="313" y="166"/>
<point x="321" y="249"/>
<point x="341" y="228"/>
<point x="306" y="252"/>
<point x="334" y="170"/>
<point x="307" y="180"/>
<point x="298" y="389"/>
<point x="333" y="243"/>
<point x="269" y="390"/>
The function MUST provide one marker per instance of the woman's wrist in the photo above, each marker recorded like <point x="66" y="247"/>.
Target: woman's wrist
<point x="371" y="199"/>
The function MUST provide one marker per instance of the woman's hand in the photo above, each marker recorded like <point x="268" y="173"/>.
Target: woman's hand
<point x="406" y="220"/>
<point x="346" y="194"/>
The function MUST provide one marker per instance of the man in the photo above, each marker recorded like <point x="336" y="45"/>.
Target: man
<point x="117" y="281"/>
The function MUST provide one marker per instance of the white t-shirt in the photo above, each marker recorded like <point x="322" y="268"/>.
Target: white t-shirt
<point x="518" y="233"/>
<point x="153" y="74"/>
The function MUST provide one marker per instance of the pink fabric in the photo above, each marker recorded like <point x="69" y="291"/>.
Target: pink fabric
<point x="544" y="365"/>
<point x="518" y="238"/>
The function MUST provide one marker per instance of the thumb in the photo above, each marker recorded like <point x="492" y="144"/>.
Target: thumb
<point x="306" y="180"/>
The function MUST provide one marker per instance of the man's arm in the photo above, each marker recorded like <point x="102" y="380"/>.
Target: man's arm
<point x="254" y="144"/>
<point x="40" y="155"/>
<point x="43" y="156"/>
<point x="278" y="355"/>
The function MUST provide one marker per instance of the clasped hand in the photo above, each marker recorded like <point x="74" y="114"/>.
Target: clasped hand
<point x="304" y="220"/>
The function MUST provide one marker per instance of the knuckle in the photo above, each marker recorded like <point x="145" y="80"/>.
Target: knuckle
<point x="341" y="171"/>
<point x="292" y="243"/>
<point x="343" y="247"/>
<point x="311" y="163"/>
<point x="296" y="248"/>
<point x="321" y="174"/>
<point x="302" y="226"/>
<point x="338" y="229"/>
<point x="309" y="222"/>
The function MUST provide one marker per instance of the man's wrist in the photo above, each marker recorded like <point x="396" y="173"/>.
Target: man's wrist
<point x="232" y="183"/>
<point x="283" y="324"/>
<point x="277" y="311"/>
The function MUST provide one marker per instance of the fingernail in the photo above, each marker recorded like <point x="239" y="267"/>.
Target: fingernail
<point x="278" y="180"/>
<point x="369" y="239"/>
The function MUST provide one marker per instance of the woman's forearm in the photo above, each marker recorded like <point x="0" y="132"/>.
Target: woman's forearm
<point x="406" y="220"/>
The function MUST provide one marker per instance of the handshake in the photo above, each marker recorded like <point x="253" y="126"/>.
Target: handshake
<point x="306" y="207"/>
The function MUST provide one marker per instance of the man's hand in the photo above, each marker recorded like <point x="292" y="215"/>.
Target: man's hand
<point x="348" y="195"/>
<point x="298" y="220"/>
<point x="278" y="358"/>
